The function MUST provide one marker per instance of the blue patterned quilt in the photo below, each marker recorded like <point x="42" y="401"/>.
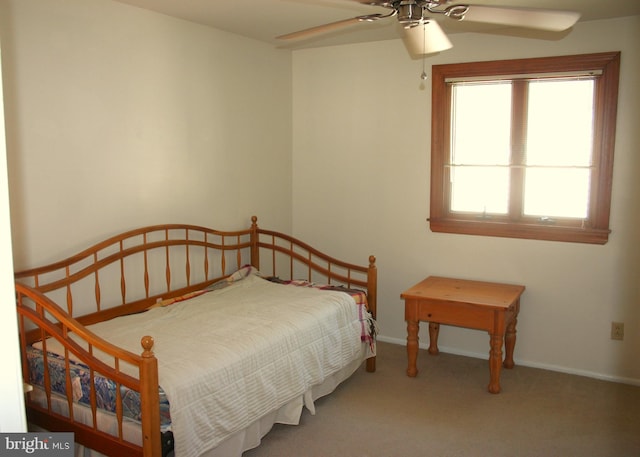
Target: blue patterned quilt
<point x="80" y="380"/>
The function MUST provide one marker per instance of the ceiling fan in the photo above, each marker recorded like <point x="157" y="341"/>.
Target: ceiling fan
<point x="422" y="33"/>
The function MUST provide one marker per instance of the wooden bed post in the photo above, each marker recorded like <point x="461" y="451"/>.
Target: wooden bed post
<point x="150" y="401"/>
<point x="372" y="300"/>
<point x="254" y="239"/>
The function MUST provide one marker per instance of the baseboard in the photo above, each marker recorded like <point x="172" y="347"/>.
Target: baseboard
<point x="524" y="363"/>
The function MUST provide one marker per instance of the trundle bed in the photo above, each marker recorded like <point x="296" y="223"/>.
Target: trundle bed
<point x="180" y="334"/>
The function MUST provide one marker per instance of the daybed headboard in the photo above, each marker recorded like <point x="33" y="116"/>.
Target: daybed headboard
<point x="158" y="262"/>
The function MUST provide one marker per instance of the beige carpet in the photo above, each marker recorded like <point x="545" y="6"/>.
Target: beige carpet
<point x="446" y="411"/>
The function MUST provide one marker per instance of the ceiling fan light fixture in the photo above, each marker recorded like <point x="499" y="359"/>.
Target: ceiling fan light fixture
<point x="426" y="38"/>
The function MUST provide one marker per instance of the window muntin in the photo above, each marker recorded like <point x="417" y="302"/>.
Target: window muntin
<point x="527" y="155"/>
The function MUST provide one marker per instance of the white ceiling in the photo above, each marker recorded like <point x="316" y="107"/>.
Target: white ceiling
<point x="265" y="19"/>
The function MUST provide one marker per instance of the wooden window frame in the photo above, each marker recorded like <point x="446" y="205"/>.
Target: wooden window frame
<point x="595" y="229"/>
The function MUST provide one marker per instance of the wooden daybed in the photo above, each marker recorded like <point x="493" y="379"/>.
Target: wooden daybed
<point x="111" y="396"/>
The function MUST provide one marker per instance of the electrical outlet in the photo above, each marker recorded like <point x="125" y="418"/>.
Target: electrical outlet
<point x="617" y="330"/>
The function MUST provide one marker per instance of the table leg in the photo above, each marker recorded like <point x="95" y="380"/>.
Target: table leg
<point x="434" y="330"/>
<point x="495" y="363"/>
<point x="510" y="343"/>
<point x="412" y="347"/>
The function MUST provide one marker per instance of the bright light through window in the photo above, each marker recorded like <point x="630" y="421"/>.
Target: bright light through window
<point x="524" y="148"/>
<point x="480" y="151"/>
<point x="482" y="120"/>
<point x="556" y="192"/>
<point x="559" y="145"/>
<point x="557" y="152"/>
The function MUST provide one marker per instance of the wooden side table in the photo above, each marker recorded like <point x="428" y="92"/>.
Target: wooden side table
<point x="479" y="305"/>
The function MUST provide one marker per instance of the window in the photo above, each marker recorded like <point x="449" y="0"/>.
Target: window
<point x="524" y="148"/>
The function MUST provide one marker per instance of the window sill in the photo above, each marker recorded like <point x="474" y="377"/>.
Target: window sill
<point x="526" y="231"/>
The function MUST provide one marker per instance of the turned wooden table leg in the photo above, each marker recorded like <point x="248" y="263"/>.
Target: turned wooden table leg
<point x="495" y="363"/>
<point x="434" y="330"/>
<point x="510" y="344"/>
<point x="412" y="347"/>
<point x="488" y="306"/>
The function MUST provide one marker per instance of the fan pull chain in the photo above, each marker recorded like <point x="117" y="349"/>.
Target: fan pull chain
<point x="423" y="75"/>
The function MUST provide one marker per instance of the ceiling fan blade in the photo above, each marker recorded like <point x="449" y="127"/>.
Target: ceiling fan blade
<point x="382" y="3"/>
<point x="426" y="38"/>
<point x="320" y="29"/>
<point x="542" y="19"/>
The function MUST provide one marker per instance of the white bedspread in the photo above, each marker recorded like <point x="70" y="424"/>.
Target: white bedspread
<point x="230" y="356"/>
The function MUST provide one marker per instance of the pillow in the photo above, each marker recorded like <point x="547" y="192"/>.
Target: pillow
<point x="242" y="273"/>
<point x="170" y="301"/>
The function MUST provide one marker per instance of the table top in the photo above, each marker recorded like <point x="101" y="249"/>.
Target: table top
<point x="465" y="291"/>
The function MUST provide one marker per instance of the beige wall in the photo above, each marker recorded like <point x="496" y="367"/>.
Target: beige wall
<point x="12" y="413"/>
<point x="118" y="117"/>
<point x="361" y="186"/>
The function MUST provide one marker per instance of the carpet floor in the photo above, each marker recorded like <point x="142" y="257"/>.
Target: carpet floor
<point x="446" y="411"/>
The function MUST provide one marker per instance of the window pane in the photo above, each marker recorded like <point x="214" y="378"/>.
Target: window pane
<point x="481" y="124"/>
<point x="560" y="123"/>
<point x="480" y="189"/>
<point x="557" y="192"/>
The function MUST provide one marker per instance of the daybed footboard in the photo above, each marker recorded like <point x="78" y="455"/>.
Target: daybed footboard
<point x="52" y="403"/>
<point x="124" y="275"/>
